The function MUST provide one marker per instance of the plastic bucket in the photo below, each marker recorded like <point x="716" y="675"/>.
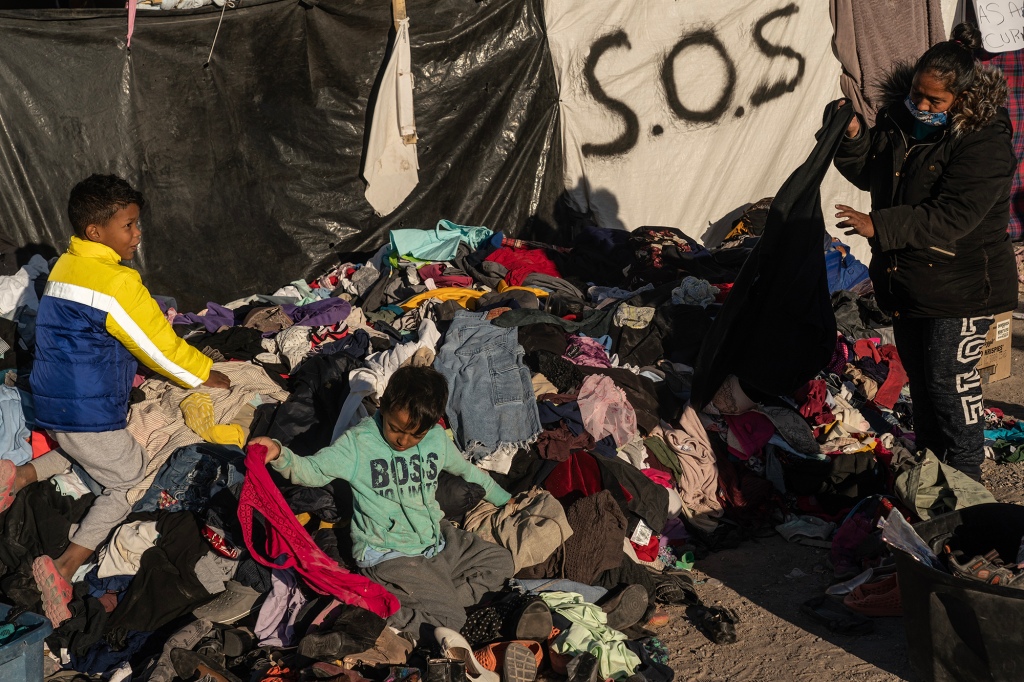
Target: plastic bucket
<point x="957" y="629"/>
<point x="21" y="659"/>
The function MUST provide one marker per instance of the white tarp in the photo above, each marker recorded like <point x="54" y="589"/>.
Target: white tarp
<point x="680" y="113"/>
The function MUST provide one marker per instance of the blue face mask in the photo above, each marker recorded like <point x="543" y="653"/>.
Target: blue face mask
<point x="925" y="117"/>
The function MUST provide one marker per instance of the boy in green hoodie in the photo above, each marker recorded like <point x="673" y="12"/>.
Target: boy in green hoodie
<point x="392" y="461"/>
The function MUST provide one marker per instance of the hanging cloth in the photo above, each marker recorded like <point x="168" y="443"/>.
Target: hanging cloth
<point x="777" y="330"/>
<point x="392" y="170"/>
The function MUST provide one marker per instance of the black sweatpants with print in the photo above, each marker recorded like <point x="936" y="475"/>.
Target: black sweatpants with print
<point x="941" y="358"/>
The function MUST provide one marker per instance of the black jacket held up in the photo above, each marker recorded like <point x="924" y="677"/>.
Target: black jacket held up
<point x="940" y="206"/>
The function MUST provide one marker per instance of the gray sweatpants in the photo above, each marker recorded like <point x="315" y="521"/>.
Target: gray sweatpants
<point x="436" y="591"/>
<point x="114" y="459"/>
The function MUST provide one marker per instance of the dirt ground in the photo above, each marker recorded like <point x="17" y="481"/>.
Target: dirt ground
<point x="766" y="580"/>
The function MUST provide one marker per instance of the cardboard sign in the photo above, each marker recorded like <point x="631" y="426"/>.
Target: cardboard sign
<point x="1001" y="24"/>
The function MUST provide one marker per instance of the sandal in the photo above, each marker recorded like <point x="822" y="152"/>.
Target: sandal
<point x="717" y="622"/>
<point x="988" y="569"/>
<point x="53" y="589"/>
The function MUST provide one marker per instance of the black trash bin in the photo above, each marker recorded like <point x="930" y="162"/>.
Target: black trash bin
<point x="964" y="630"/>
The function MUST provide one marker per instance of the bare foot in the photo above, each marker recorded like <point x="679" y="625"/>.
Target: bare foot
<point x="71" y="560"/>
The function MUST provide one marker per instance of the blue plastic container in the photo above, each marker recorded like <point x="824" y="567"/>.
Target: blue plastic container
<point x="21" y="659"/>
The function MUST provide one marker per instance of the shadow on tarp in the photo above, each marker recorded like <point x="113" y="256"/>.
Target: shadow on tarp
<point x="251" y="166"/>
<point x="568" y="216"/>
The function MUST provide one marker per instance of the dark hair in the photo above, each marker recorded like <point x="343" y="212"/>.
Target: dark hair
<point x="421" y="391"/>
<point x="952" y="61"/>
<point x="96" y="199"/>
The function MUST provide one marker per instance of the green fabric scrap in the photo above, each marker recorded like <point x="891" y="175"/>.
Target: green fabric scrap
<point x="590" y="632"/>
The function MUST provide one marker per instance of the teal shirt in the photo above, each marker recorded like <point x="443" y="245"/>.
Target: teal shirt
<point x="394" y="504"/>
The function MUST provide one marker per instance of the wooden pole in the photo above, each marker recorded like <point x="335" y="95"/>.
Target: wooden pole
<point x="398" y="9"/>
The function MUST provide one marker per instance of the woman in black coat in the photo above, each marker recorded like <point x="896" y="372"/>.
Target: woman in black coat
<point x="939" y="163"/>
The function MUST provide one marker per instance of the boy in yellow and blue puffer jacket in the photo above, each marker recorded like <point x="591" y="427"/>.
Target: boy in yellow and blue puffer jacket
<point x="96" y="321"/>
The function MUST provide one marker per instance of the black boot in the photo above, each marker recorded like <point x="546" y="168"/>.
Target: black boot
<point x="331" y="645"/>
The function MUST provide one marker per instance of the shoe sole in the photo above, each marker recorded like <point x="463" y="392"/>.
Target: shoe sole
<point x="631" y="607"/>
<point x="54" y="590"/>
<point x="535" y="624"/>
<point x="520" y="664"/>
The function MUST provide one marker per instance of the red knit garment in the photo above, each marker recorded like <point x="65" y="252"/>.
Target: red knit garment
<point x="287" y="538"/>
<point x="523" y="262"/>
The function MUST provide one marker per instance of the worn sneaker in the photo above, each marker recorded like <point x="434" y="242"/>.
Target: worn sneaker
<point x="231" y="605"/>
<point x="55" y="590"/>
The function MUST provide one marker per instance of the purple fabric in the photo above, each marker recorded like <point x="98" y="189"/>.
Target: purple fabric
<point x="586" y="352"/>
<point x="275" y="625"/>
<point x="216" y="316"/>
<point x="674" y="533"/>
<point x="329" y="311"/>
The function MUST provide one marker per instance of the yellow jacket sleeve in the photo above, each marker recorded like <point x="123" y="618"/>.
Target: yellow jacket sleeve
<point x="137" y="322"/>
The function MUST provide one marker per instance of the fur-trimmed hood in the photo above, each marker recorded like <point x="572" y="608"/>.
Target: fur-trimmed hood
<point x="978" y="108"/>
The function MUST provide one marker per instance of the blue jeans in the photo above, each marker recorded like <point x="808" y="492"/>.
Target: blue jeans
<point x="193" y="475"/>
<point x="590" y="593"/>
<point x="491" y="400"/>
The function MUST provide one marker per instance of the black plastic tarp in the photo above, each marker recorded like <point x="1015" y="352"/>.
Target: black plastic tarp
<point x="251" y="166"/>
